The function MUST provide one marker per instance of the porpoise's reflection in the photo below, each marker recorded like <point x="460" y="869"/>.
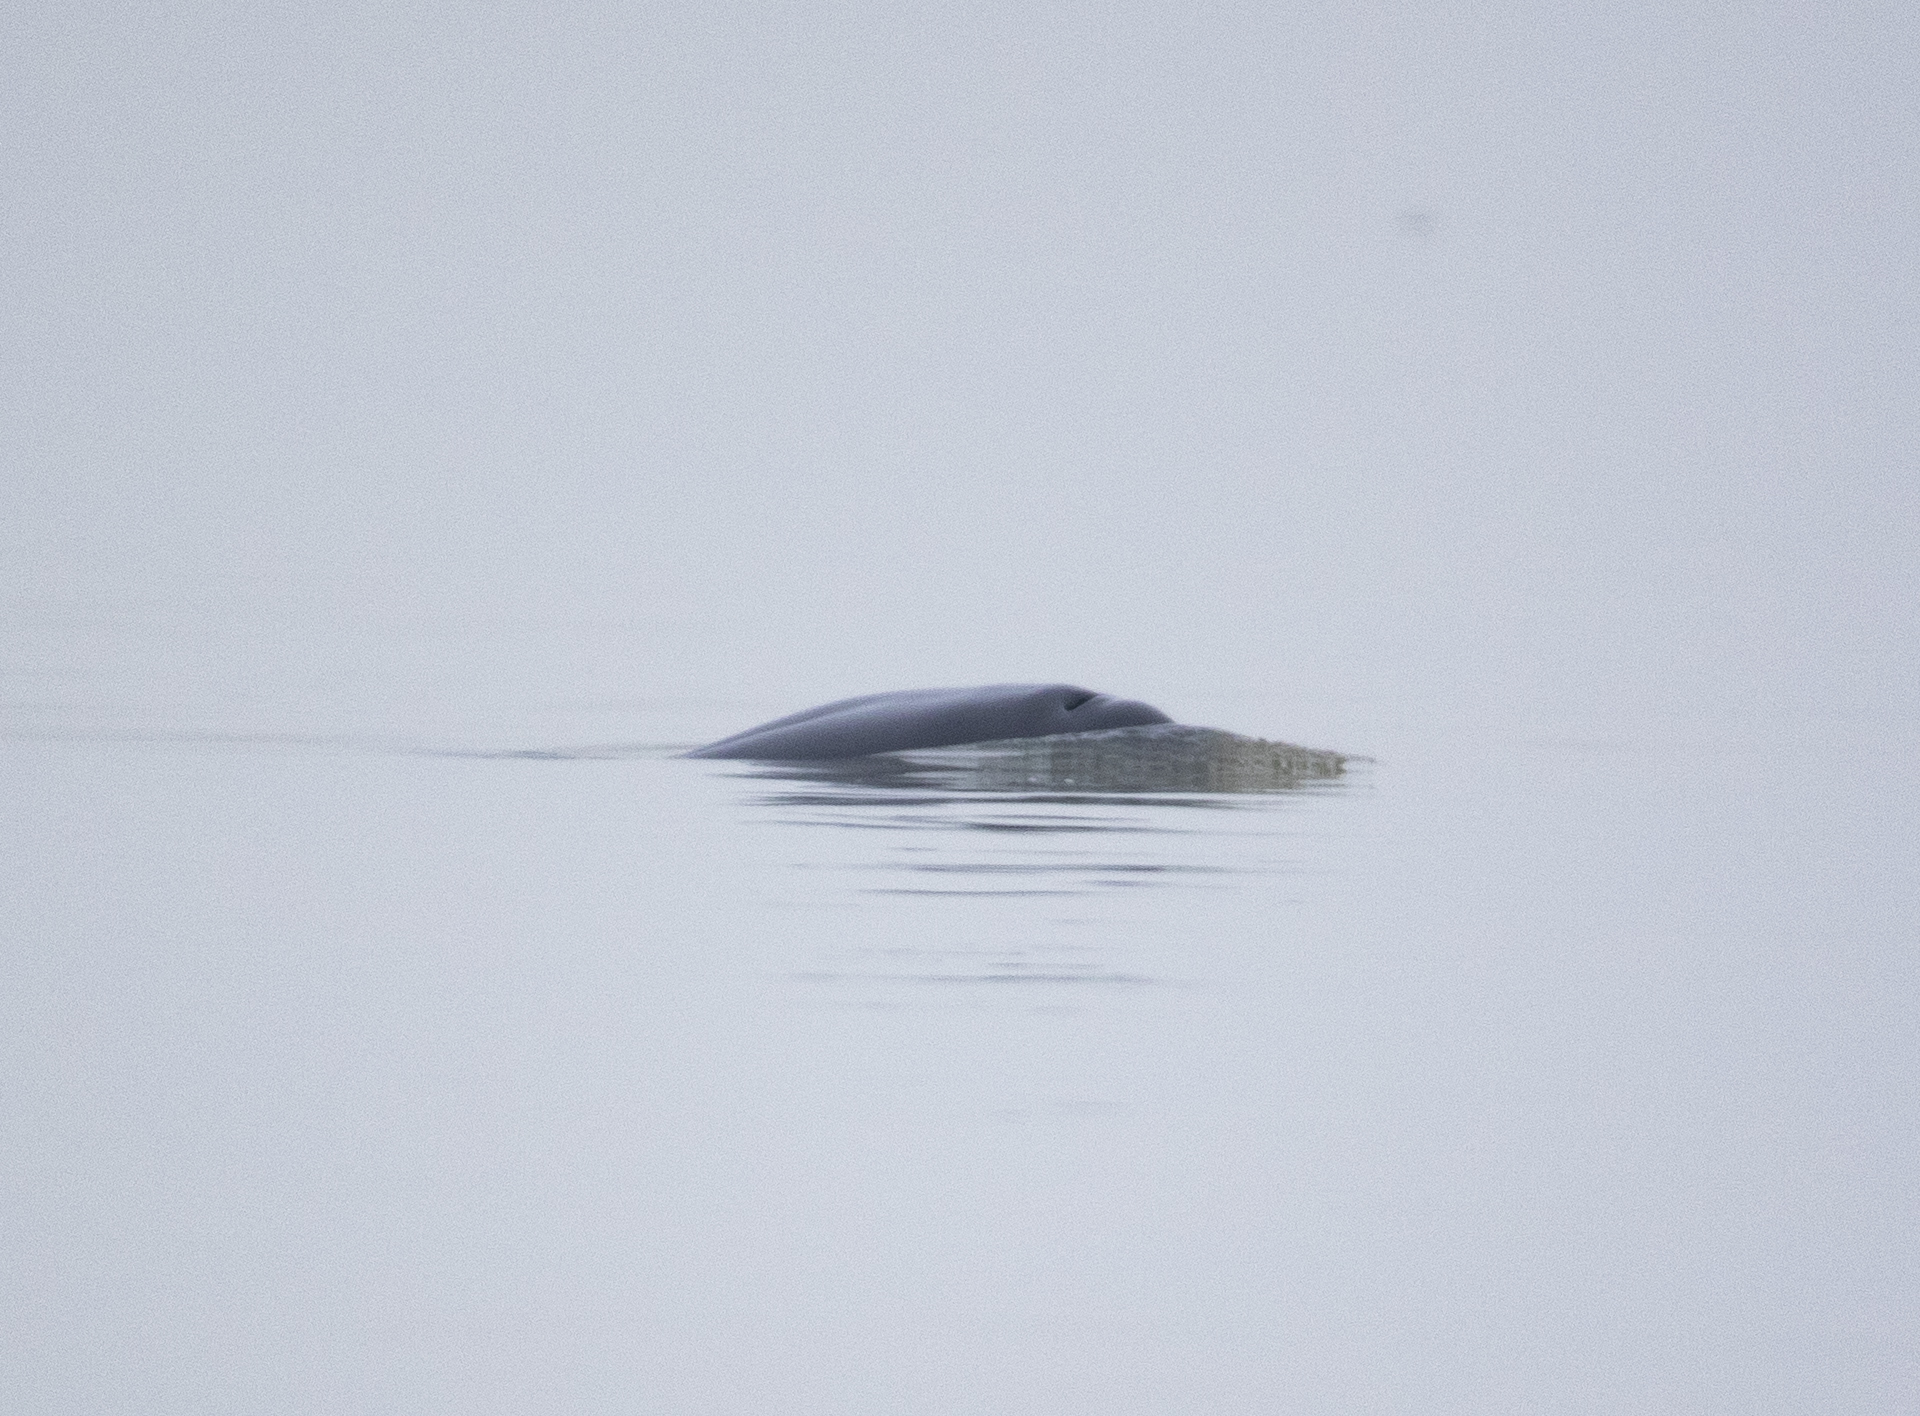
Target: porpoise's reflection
<point x="1163" y="759"/>
<point x="1010" y="862"/>
<point x="1128" y="782"/>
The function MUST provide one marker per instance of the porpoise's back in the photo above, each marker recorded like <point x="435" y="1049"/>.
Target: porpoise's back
<point x="933" y="717"/>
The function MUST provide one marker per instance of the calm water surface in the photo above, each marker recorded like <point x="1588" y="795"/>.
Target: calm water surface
<point x="485" y="1072"/>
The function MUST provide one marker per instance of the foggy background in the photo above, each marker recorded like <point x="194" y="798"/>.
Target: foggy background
<point x="1379" y="366"/>
<point x="1522" y="396"/>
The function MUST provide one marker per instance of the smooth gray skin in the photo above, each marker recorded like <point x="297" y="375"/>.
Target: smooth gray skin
<point x="933" y="717"/>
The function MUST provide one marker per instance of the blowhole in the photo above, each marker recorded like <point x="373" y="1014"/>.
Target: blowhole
<point x="1074" y="700"/>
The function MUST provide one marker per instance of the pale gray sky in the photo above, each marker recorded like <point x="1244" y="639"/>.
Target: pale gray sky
<point x="1536" y="361"/>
